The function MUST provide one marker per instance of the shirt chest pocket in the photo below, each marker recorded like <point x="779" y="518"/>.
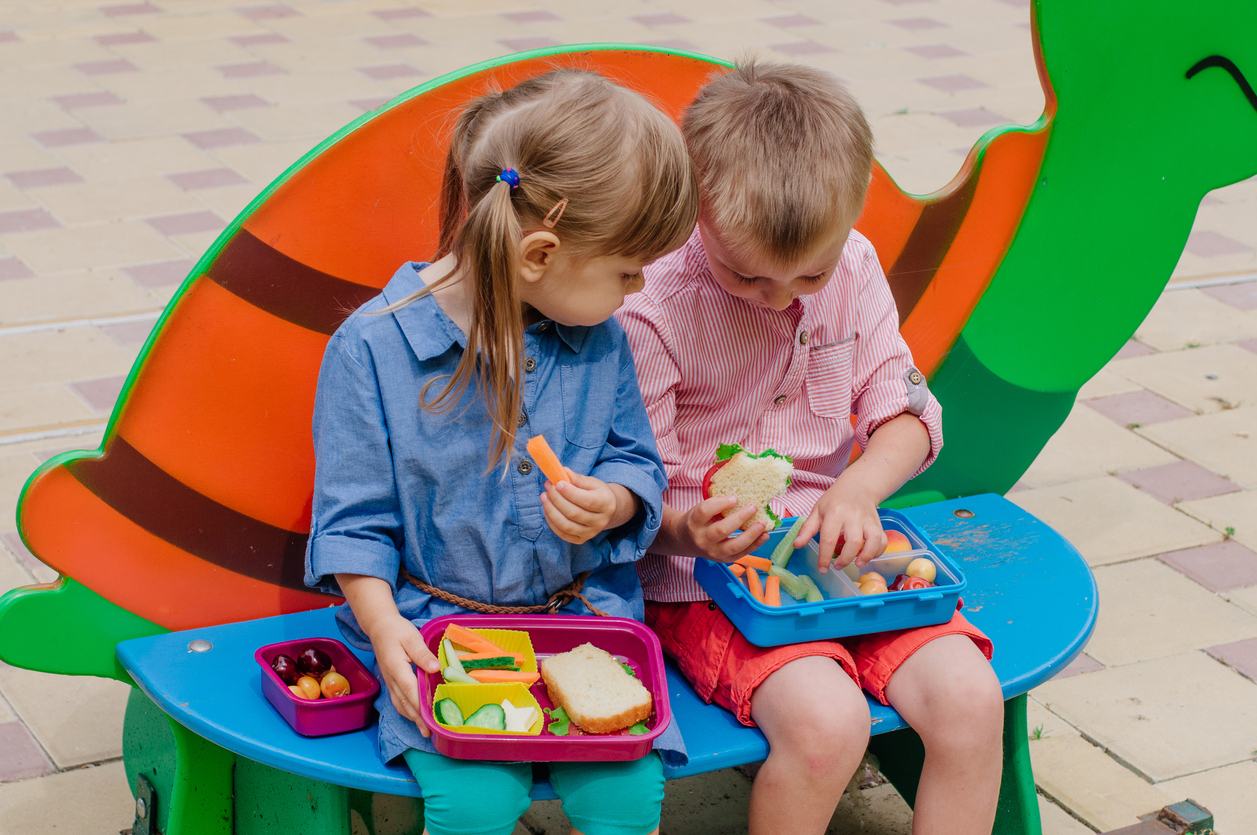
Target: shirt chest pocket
<point x="829" y="370"/>
<point x="589" y="393"/>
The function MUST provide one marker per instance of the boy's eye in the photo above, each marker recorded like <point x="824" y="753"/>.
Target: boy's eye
<point x="812" y="279"/>
<point x="745" y="279"/>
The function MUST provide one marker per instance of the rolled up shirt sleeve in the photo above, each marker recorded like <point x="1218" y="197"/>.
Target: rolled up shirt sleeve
<point x="885" y="382"/>
<point x="356" y="521"/>
<point x="630" y="458"/>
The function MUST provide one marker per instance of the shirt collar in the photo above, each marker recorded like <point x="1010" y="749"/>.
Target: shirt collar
<point x="417" y="319"/>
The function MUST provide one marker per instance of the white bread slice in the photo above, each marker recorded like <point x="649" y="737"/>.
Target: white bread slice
<point x="754" y="481"/>
<point x="598" y="695"/>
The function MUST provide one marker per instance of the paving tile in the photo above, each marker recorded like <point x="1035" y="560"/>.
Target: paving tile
<point x="1166" y="718"/>
<point x="209" y="178"/>
<point x="917" y="24"/>
<point x="58" y="356"/>
<point x="12" y="576"/>
<point x="11" y="540"/>
<point x="128" y="9"/>
<point x="98" y="246"/>
<point x="1133" y="348"/>
<point x="269" y="12"/>
<point x="406" y="40"/>
<point x="67" y="136"/>
<point x="1149" y="610"/>
<point x="26" y="220"/>
<point x="259" y="39"/>
<point x="1106" y="383"/>
<point x="250" y="69"/>
<point x="76" y="101"/>
<point x="100" y="394"/>
<point x="1082" y="664"/>
<point x="112" y="200"/>
<point x="114" y="65"/>
<point x="1138" y="408"/>
<point x="87" y="294"/>
<point x="935" y="51"/>
<point x="182" y="224"/>
<point x="386" y="71"/>
<point x="1089" y="445"/>
<point x="1224" y="442"/>
<point x="1190" y="318"/>
<point x="1230" y="793"/>
<point x="1240" y="656"/>
<point x="1208" y="244"/>
<point x="96" y="800"/>
<point x="1179" y="481"/>
<point x="790" y="21"/>
<point x="160" y="274"/>
<point x="953" y="83"/>
<point x="531" y="16"/>
<point x="1220" y="566"/>
<point x="77" y="719"/>
<point x="972" y="117"/>
<point x="1245" y="598"/>
<point x="1056" y="821"/>
<point x="393" y="15"/>
<point x="20" y="755"/>
<point x="263" y="163"/>
<point x="221" y="138"/>
<point x="13" y="268"/>
<point x="9" y="37"/>
<point x="1109" y="521"/>
<point x="674" y="43"/>
<point x="1206" y="379"/>
<point x="797" y="48"/>
<point x="524" y="44"/>
<point x="139" y="157"/>
<point x="1089" y="783"/>
<point x="1248" y="345"/>
<point x="665" y="19"/>
<point x="43" y="177"/>
<point x="1242" y="296"/>
<point x="124" y="38"/>
<point x="367" y="105"/>
<point x="222" y="104"/>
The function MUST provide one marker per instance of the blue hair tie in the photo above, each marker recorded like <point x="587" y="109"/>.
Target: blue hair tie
<point x="509" y="176"/>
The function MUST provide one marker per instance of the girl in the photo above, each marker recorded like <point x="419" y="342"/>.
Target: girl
<point x="557" y="192"/>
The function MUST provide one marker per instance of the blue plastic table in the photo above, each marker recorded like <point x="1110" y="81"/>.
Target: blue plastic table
<point x="1028" y="589"/>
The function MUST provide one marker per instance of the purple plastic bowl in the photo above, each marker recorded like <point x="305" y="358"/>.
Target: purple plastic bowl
<point x="628" y="640"/>
<point x="321" y="717"/>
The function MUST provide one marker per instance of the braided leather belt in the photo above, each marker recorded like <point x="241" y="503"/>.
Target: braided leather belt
<point x="565" y="595"/>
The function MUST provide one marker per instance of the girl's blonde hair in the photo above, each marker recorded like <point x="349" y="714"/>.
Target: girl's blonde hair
<point x="619" y="162"/>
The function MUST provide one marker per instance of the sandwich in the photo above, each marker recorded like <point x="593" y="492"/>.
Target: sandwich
<point x="597" y="691"/>
<point x="754" y="478"/>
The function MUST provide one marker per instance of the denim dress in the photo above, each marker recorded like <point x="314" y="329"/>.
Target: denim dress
<point x="395" y="485"/>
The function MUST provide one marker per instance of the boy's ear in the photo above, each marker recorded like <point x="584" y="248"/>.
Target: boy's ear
<point x="537" y="252"/>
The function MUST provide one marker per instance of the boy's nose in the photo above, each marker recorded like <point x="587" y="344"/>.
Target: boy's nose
<point x="779" y="300"/>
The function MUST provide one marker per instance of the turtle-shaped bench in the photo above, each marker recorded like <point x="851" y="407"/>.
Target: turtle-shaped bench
<point x="1015" y="284"/>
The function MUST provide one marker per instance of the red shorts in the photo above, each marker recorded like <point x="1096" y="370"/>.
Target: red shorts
<point x="725" y="668"/>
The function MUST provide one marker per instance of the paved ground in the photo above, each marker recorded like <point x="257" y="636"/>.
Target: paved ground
<point x="130" y="134"/>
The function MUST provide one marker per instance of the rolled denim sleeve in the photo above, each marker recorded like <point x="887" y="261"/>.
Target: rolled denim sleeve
<point x="356" y="520"/>
<point x="631" y="459"/>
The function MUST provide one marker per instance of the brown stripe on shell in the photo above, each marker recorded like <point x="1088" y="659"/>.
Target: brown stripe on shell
<point x="284" y="287"/>
<point x="169" y="509"/>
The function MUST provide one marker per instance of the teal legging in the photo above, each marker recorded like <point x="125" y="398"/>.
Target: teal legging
<point x="467" y="797"/>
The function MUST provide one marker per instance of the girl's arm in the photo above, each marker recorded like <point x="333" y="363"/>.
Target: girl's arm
<point x="395" y="640"/>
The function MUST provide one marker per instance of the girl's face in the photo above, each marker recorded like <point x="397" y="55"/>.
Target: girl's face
<point x="583" y="290"/>
<point x="762" y="281"/>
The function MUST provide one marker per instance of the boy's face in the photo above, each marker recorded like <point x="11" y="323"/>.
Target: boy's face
<point x="763" y="282"/>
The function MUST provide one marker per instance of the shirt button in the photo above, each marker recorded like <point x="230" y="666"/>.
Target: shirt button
<point x="522" y="419"/>
<point x="780" y="400"/>
<point x="525" y="467"/>
<point x="914" y="377"/>
<point x="530" y="364"/>
<point x="803" y="338"/>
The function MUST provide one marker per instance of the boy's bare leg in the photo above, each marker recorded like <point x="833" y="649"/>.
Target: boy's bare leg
<point x="817" y="724"/>
<point x="949" y="694"/>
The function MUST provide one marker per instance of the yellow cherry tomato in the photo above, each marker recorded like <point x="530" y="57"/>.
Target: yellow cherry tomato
<point x="334" y="685"/>
<point x="309" y="686"/>
<point x="873" y="588"/>
<point x="871" y="577"/>
<point x="923" y="568"/>
<point x="298" y="692"/>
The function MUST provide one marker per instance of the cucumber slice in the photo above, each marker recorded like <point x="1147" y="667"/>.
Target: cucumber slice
<point x="489" y="716"/>
<point x="785" y="547"/>
<point x="447" y="713"/>
<point x="505" y="662"/>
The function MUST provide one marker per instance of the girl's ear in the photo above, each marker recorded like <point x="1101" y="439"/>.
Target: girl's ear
<point x="537" y="252"/>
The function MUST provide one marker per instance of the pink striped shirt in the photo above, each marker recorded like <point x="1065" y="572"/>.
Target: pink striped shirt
<point x="808" y="381"/>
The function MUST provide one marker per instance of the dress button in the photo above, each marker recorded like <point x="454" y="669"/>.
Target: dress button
<point x="522" y="419"/>
<point x="530" y="364"/>
<point x="542" y="327"/>
<point x="803" y="338"/>
<point x="779" y="400"/>
<point x="525" y="467"/>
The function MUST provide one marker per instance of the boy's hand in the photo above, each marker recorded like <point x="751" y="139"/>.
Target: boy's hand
<point x="580" y="509"/>
<point x="704" y="532"/>
<point x="397" y="645"/>
<point x="847" y="519"/>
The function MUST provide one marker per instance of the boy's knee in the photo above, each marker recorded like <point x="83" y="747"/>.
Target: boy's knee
<point x="970" y="713"/>
<point x="825" y="733"/>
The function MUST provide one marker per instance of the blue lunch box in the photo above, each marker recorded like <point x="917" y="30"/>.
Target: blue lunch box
<point x="844" y="611"/>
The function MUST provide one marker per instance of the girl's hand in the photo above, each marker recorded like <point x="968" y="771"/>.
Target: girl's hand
<point x="397" y="645"/>
<point x="846" y="518"/>
<point x="580" y="509"/>
<point x="703" y="532"/>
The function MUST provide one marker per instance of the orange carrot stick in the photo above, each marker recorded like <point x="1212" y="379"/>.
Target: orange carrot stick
<point x="503" y="676"/>
<point x="546" y="459"/>
<point x="762" y="563"/>
<point x="738" y="570"/>
<point x="753" y="583"/>
<point x="772" y="590"/>
<point x="464" y="637"/>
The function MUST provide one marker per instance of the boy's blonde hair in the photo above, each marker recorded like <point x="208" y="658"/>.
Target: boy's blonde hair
<point x="783" y="154"/>
<point x="631" y="191"/>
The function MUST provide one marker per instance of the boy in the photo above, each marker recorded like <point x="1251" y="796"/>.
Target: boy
<point x="770" y="328"/>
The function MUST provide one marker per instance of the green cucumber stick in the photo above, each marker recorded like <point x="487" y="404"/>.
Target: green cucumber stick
<point x="785" y="545"/>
